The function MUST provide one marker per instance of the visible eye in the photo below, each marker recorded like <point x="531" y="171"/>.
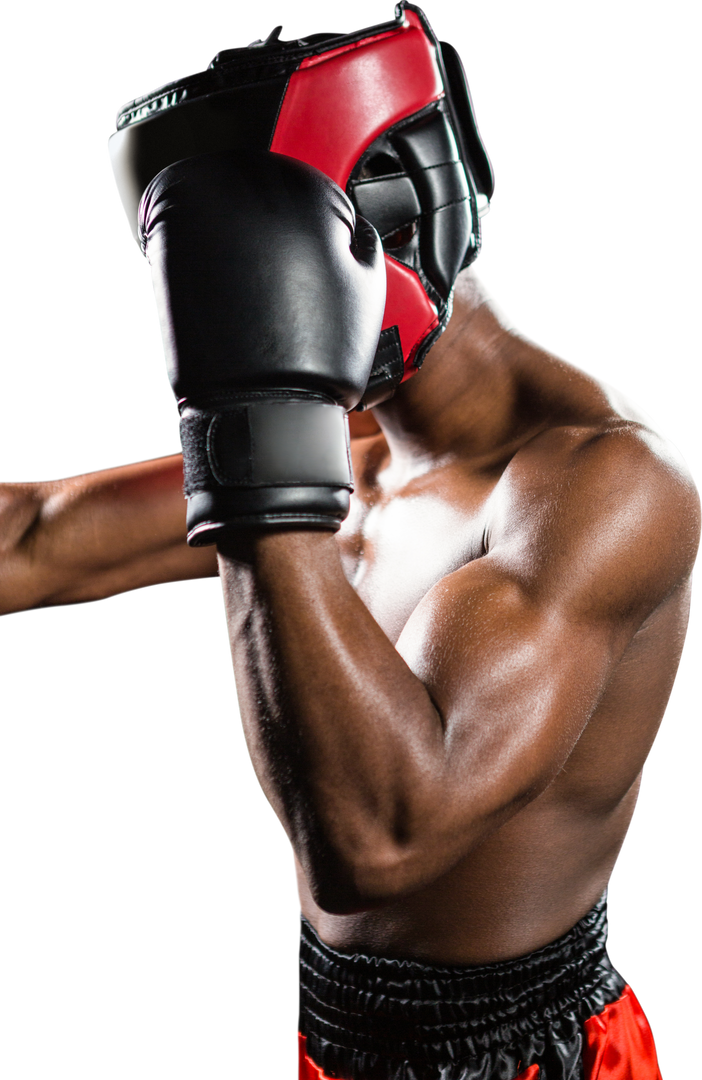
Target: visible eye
<point x="400" y="238"/>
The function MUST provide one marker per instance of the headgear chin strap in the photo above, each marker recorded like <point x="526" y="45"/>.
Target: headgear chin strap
<point x="385" y="112"/>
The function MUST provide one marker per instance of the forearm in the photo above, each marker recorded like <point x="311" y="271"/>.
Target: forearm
<point x="92" y="536"/>
<point x="345" y="739"/>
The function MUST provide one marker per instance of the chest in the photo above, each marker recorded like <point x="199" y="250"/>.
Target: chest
<point x="396" y="545"/>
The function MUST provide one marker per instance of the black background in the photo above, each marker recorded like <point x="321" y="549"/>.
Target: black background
<point x="143" y="873"/>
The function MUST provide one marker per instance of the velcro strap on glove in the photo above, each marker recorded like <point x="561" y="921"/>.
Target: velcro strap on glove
<point x="265" y="461"/>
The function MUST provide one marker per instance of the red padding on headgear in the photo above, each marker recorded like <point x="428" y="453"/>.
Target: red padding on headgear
<point x="407" y="306"/>
<point x="336" y="105"/>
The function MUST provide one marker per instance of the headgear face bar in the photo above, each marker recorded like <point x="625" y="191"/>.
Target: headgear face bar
<point x="384" y="112"/>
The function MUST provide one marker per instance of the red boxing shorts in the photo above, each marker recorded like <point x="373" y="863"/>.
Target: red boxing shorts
<point x="560" y="1013"/>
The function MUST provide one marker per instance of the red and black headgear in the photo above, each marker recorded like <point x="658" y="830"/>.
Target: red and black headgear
<point x="385" y="112"/>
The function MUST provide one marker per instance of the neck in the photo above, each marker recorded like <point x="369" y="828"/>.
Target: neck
<point x="469" y="381"/>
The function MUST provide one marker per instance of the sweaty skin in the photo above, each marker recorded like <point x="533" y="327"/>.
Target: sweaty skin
<point x="449" y="703"/>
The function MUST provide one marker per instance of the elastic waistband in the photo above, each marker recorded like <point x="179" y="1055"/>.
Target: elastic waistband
<point x="360" y="1011"/>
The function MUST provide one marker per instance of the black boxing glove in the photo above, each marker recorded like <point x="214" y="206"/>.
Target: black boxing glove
<point x="270" y="293"/>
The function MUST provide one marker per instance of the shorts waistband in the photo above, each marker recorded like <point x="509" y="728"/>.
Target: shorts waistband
<point x="361" y="1013"/>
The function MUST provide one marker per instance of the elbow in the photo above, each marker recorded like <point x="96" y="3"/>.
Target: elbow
<point x="339" y="889"/>
<point x="371" y="867"/>
<point x="335" y="896"/>
<point x="388" y="871"/>
<point x="332" y="894"/>
<point x="358" y="856"/>
<point x="367" y="876"/>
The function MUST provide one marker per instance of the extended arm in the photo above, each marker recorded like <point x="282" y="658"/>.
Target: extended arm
<point x="92" y="536"/>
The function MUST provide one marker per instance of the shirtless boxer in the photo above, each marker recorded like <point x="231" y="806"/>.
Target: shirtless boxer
<point x="449" y="702"/>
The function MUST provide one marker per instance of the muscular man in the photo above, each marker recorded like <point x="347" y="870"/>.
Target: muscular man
<point x="494" y="633"/>
<point x="449" y="702"/>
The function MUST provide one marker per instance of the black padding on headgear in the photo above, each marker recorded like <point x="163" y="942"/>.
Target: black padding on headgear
<point x="428" y="150"/>
<point x="423" y="207"/>
<point x="472" y="145"/>
<point x="388" y="202"/>
<point x="388" y="369"/>
<point x="473" y="151"/>
<point x="238" y="118"/>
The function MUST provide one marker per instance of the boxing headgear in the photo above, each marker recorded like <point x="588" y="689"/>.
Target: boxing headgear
<point x="385" y="112"/>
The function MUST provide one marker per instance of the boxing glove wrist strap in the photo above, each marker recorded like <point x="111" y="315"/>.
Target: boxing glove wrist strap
<point x="265" y="461"/>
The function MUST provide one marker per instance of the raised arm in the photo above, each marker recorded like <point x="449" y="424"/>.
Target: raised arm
<point x="388" y="765"/>
<point x="92" y="536"/>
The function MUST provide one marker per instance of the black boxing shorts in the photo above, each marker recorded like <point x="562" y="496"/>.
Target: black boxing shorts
<point x="560" y="1013"/>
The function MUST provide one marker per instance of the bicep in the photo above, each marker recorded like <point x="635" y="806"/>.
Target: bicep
<point x="588" y="537"/>
<point x="514" y="678"/>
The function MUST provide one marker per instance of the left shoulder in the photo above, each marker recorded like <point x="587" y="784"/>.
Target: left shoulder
<point x="615" y="451"/>
<point x="609" y="501"/>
